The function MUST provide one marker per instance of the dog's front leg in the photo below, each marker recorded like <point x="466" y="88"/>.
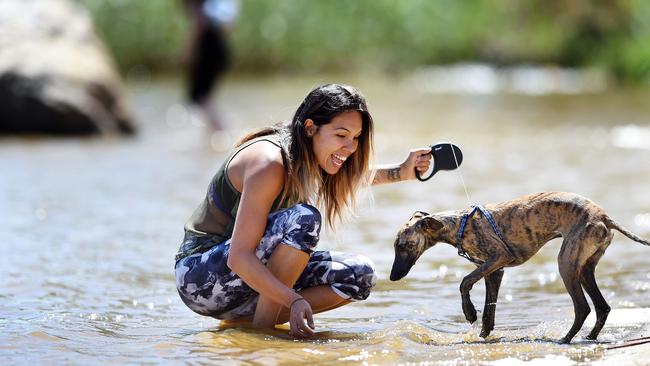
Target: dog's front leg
<point x="492" y="284"/>
<point x="468" y="282"/>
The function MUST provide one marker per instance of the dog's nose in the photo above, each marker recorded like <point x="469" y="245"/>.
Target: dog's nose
<point x="398" y="271"/>
<point x="394" y="276"/>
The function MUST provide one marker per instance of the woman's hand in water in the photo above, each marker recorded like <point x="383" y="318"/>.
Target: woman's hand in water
<point x="419" y="159"/>
<point x="301" y="312"/>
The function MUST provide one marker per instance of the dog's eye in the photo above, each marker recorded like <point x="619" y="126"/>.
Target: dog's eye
<point x="404" y="245"/>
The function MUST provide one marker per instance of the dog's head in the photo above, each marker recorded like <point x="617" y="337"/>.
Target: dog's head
<point x="419" y="233"/>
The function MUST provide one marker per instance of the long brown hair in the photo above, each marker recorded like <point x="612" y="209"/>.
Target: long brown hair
<point x="304" y="180"/>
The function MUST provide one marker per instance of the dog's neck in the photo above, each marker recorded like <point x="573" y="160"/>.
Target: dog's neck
<point x="472" y="234"/>
<point x="451" y="222"/>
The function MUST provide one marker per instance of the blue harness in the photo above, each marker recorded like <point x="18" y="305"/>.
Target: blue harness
<point x="461" y="229"/>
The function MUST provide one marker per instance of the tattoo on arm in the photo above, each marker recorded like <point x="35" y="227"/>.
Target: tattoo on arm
<point x="393" y="174"/>
<point x="387" y="174"/>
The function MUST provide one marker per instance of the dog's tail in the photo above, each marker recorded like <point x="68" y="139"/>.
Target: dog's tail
<point x="611" y="224"/>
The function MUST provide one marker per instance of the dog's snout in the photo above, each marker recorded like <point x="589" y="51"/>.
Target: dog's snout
<point x="396" y="273"/>
<point x="401" y="266"/>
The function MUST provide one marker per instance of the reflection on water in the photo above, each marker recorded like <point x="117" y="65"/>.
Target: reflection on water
<point x="90" y="227"/>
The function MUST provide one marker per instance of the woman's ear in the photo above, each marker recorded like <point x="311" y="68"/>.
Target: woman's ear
<point x="310" y="127"/>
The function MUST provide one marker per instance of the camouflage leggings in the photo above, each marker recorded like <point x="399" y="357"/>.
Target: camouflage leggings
<point x="208" y="287"/>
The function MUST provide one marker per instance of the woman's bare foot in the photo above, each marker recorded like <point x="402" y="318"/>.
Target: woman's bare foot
<point x="246" y="322"/>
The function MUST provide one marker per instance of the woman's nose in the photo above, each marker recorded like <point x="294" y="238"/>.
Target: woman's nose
<point x="351" y="145"/>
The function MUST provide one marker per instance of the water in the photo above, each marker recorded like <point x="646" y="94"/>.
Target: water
<point x="89" y="229"/>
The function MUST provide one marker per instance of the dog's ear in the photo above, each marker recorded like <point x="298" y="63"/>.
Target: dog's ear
<point x="418" y="215"/>
<point x="431" y="223"/>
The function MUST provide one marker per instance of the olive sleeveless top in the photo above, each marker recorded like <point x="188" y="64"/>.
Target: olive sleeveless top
<point x="215" y="216"/>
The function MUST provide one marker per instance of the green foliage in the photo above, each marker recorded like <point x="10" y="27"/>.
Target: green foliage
<point x="141" y="32"/>
<point x="391" y="35"/>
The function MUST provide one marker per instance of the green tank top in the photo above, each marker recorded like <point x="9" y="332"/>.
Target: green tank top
<point x="222" y="196"/>
<point x="222" y="192"/>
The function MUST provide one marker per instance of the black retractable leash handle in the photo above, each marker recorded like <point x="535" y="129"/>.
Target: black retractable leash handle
<point x="446" y="156"/>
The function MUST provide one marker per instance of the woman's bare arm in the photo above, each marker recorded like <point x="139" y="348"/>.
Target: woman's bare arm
<point x="259" y="173"/>
<point x="389" y="173"/>
<point x="419" y="159"/>
<point x="263" y="178"/>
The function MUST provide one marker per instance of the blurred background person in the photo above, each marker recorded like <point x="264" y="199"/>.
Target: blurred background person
<point x="207" y="55"/>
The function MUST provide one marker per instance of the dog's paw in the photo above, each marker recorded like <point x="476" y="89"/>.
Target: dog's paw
<point x="485" y="333"/>
<point x="470" y="313"/>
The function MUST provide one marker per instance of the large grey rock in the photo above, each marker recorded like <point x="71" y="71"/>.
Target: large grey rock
<point x="56" y="76"/>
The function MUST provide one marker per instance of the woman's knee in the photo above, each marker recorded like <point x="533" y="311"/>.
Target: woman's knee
<point x="304" y="212"/>
<point x="363" y="280"/>
<point x="302" y="226"/>
<point x="365" y="275"/>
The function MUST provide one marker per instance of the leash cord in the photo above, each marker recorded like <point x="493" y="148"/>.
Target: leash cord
<point x="460" y="175"/>
<point x="486" y="214"/>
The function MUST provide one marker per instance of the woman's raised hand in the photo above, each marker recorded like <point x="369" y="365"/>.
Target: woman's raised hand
<point x="419" y="159"/>
<point x="301" y="311"/>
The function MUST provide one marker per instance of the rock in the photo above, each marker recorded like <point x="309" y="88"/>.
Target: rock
<point x="56" y="75"/>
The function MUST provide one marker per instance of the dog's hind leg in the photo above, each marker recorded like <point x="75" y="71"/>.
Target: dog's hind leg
<point x="588" y="281"/>
<point x="570" y="270"/>
<point x="492" y="284"/>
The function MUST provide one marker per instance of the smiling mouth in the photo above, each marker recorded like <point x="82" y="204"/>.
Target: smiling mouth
<point x="338" y="160"/>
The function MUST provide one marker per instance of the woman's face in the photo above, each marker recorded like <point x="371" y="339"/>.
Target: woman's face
<point x="334" y="142"/>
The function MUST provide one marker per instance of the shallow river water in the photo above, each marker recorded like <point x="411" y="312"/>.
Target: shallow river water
<point x="89" y="229"/>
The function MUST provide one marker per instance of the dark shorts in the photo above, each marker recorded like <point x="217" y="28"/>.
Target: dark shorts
<point x="208" y="287"/>
<point x="210" y="61"/>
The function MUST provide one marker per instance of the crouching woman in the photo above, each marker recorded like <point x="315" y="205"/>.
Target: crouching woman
<point x="249" y="248"/>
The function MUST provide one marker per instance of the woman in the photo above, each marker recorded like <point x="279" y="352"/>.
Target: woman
<point x="248" y="252"/>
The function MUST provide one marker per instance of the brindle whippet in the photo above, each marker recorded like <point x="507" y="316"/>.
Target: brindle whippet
<point x="510" y="233"/>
